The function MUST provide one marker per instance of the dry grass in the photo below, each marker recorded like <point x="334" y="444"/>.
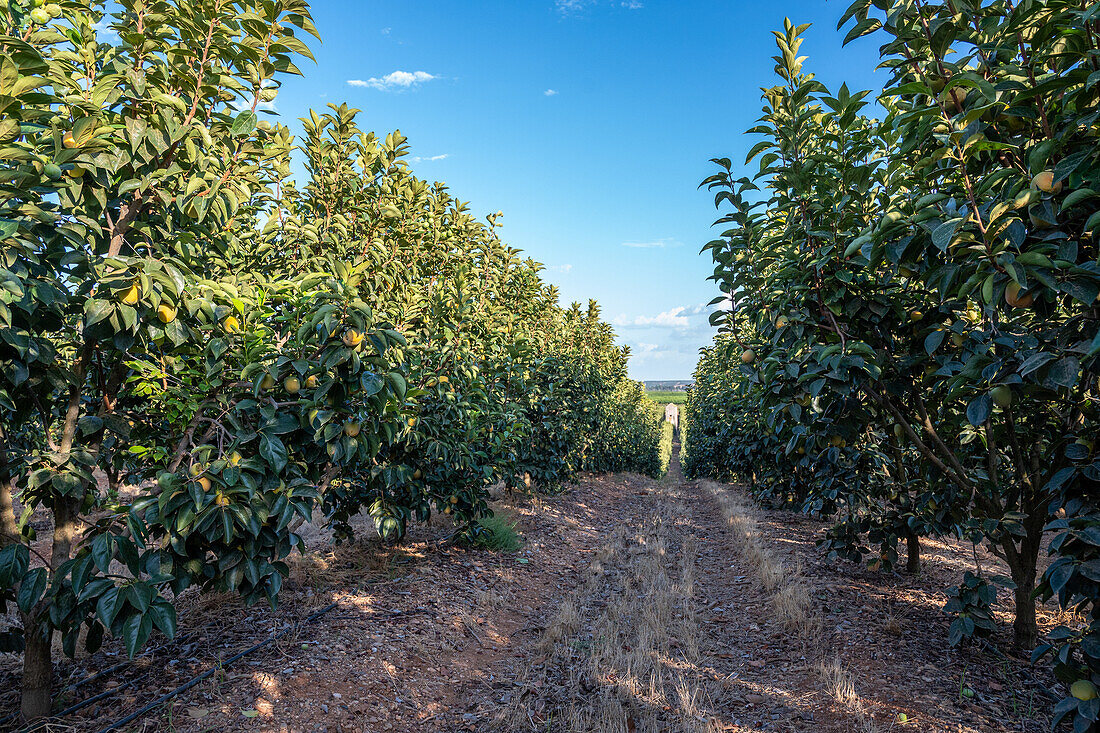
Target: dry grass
<point x="837" y="681"/>
<point x="623" y="648"/>
<point x="791" y="593"/>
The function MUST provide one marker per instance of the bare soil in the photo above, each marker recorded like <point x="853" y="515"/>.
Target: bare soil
<point x="633" y="606"/>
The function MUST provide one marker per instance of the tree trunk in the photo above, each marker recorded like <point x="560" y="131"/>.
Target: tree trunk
<point x="37" y="668"/>
<point x="912" y="543"/>
<point x="1022" y="561"/>
<point x="1025" y="630"/>
<point x="9" y="531"/>
<point x="37" y="657"/>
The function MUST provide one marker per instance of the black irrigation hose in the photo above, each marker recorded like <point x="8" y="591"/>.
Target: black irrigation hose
<point x="210" y="672"/>
<point x="98" y="675"/>
<point x="96" y="698"/>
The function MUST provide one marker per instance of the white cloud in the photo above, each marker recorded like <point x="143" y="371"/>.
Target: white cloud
<point x="675" y="318"/>
<point x="573" y="6"/>
<point x="103" y="30"/>
<point x="559" y="268"/>
<point x="386" y="31"/>
<point x="551" y="92"/>
<point x="682" y="320"/>
<point x="654" y="244"/>
<point x="419" y="159"/>
<point x="394" y="81"/>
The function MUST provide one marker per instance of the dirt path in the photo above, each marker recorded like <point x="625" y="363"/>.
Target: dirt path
<point x="635" y="605"/>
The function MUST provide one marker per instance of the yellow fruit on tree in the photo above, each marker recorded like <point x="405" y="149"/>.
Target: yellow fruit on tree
<point x="196" y="469"/>
<point x="418" y="474"/>
<point x="1014" y="299"/>
<point x="444" y="380"/>
<point x="352" y="338"/>
<point x="221" y="499"/>
<point x="292" y="385"/>
<point x="205" y="483"/>
<point x="133" y="295"/>
<point x="411" y="422"/>
<point x="454" y="499"/>
<point x="68" y="140"/>
<point x="351" y="428"/>
<point x="267" y="382"/>
<point x="166" y="313"/>
<point x="915" y="316"/>
<point x="1045" y="182"/>
<point x="234" y="459"/>
<point x="311" y="381"/>
<point x="748" y="356"/>
<point x="231" y="325"/>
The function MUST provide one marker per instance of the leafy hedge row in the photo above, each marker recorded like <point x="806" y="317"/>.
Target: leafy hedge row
<point x="913" y="346"/>
<point x="196" y="353"/>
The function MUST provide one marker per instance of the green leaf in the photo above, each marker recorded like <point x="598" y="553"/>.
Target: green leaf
<point x="31" y="588"/>
<point x="135" y="632"/>
<point x="244" y="124"/>
<point x="979" y="409"/>
<point x="274" y="452"/>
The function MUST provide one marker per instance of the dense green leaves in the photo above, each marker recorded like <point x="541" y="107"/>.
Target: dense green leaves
<point x="909" y="345"/>
<point x="196" y="355"/>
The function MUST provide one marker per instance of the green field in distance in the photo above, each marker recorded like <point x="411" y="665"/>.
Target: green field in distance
<point x="664" y="397"/>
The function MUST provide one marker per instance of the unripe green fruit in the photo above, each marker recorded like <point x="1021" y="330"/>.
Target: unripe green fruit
<point x="1001" y="395"/>
<point x="1083" y="690"/>
<point x="40" y="16"/>
<point x="52" y="171"/>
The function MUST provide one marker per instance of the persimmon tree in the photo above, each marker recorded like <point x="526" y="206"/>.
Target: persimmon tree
<point x="913" y="345"/>
<point x="134" y="350"/>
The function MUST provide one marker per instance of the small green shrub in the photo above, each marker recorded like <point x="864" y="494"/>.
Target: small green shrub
<point x="497" y="533"/>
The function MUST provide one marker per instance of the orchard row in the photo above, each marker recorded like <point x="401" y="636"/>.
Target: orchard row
<point x="196" y="353"/>
<point x="912" y="345"/>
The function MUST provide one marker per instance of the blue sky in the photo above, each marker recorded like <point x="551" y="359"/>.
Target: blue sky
<point x="589" y="123"/>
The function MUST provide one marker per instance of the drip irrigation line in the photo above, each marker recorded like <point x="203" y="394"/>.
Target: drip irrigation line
<point x="205" y="675"/>
<point x="210" y="672"/>
<point x="98" y="675"/>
